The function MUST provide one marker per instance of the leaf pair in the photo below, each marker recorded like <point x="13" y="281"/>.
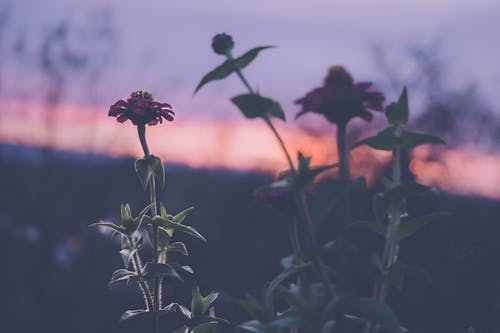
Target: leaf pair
<point x="405" y="229"/>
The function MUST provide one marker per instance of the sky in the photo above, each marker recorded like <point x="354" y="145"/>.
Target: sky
<point x="114" y="47"/>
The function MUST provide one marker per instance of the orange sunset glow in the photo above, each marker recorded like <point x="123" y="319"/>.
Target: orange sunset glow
<point x="234" y="144"/>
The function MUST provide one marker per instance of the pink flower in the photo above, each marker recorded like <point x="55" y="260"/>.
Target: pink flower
<point x="141" y="109"/>
<point x="340" y="99"/>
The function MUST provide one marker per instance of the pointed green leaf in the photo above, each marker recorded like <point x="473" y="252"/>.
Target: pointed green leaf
<point x="375" y="311"/>
<point x="143" y="171"/>
<point x="269" y="291"/>
<point x="400" y="271"/>
<point x="383" y="140"/>
<point x="410" y="140"/>
<point x="126" y="215"/>
<point x="184" y="268"/>
<point x="134" y="314"/>
<point x="253" y="326"/>
<point x="121" y="275"/>
<point x="255" y="106"/>
<point x="126" y="255"/>
<point x="178" y="247"/>
<point x="152" y="271"/>
<point x="196" y="301"/>
<point x="208" y="300"/>
<point x="228" y="66"/>
<point x="169" y="225"/>
<point x="378" y="228"/>
<point x="163" y="210"/>
<point x="397" y="113"/>
<point x="182" y="215"/>
<point x="173" y="307"/>
<point x="116" y="228"/>
<point x="163" y="239"/>
<point x="409" y="227"/>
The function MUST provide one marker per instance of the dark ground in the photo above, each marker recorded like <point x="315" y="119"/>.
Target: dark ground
<point x="55" y="269"/>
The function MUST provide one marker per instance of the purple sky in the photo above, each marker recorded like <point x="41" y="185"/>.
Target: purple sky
<point x="164" y="46"/>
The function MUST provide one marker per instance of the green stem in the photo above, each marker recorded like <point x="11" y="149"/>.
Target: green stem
<point x="343" y="158"/>
<point x="342" y="151"/>
<point x="141" y="129"/>
<point x="391" y="245"/>
<point x="266" y="118"/>
<point x="136" y="261"/>
<point x="317" y="262"/>
<point x="299" y="196"/>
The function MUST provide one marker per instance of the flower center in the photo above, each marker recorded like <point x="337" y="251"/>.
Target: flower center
<point x="141" y="94"/>
<point x="338" y="76"/>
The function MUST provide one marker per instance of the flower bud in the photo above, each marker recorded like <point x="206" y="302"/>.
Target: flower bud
<point x="222" y="43"/>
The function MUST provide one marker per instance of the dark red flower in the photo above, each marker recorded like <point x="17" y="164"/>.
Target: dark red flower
<point x="141" y="109"/>
<point x="340" y="99"/>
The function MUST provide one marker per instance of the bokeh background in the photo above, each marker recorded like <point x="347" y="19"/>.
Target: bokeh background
<point x="65" y="164"/>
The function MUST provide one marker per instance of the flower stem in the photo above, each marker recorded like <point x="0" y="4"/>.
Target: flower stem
<point x="266" y="117"/>
<point x="391" y="246"/>
<point x="316" y="258"/>
<point x="152" y="197"/>
<point x="136" y="262"/>
<point x="342" y="151"/>
<point x="343" y="158"/>
<point x="299" y="196"/>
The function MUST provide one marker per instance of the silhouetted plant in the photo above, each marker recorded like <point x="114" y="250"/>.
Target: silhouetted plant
<point x="390" y="206"/>
<point x="306" y="305"/>
<point x="160" y="226"/>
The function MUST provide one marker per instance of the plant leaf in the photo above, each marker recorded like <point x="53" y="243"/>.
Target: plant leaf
<point x="228" y="67"/>
<point x="173" y="307"/>
<point x="378" y="228"/>
<point x="373" y="310"/>
<point x="168" y="224"/>
<point x="182" y="215"/>
<point x="126" y="255"/>
<point x="399" y="111"/>
<point x="158" y="170"/>
<point x="410" y="140"/>
<point x="255" y="106"/>
<point x="121" y="275"/>
<point x="408" y="228"/>
<point x="184" y="268"/>
<point x="178" y="247"/>
<point x="253" y="326"/>
<point x="152" y="271"/>
<point x="112" y="226"/>
<point x="143" y="171"/>
<point x="399" y="271"/>
<point x="134" y="314"/>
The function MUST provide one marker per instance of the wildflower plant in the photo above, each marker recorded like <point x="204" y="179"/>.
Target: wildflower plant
<point x="304" y="296"/>
<point x="391" y="218"/>
<point x="160" y="227"/>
